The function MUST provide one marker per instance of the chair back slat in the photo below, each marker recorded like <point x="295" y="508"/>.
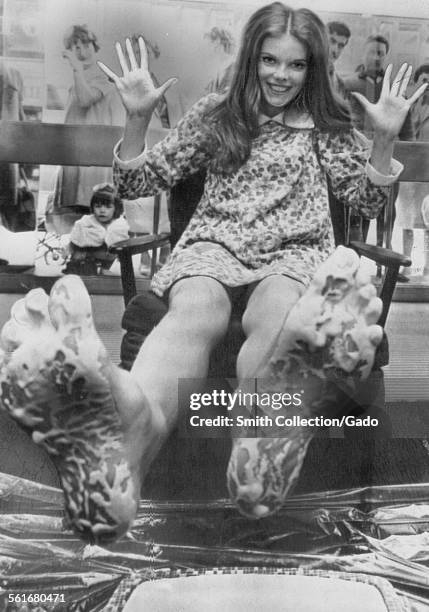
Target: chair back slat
<point x="56" y="144"/>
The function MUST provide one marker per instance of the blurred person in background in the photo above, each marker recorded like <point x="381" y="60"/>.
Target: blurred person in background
<point x="338" y="37"/>
<point x="11" y="109"/>
<point x="91" y="101"/>
<point x="413" y="198"/>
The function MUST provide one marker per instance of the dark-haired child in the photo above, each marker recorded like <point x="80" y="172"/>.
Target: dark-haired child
<point x="92" y="235"/>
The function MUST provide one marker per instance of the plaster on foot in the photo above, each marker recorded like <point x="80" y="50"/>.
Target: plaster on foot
<point x="328" y="343"/>
<point x="56" y="379"/>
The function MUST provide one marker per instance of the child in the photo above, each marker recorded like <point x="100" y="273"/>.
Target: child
<point x="93" y="234"/>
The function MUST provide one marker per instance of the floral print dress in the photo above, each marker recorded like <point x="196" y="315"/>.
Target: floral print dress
<point x="269" y="217"/>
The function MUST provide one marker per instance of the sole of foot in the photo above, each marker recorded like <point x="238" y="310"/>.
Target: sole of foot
<point x="56" y="380"/>
<point x="326" y="346"/>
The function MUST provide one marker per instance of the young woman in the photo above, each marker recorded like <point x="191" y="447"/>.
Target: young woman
<point x="262" y="228"/>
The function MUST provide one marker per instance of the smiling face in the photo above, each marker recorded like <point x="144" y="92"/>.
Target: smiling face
<point x="282" y="70"/>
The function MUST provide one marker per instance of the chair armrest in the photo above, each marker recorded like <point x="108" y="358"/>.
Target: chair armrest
<point x="140" y="244"/>
<point x="392" y="262"/>
<point x="125" y="249"/>
<point x="380" y="255"/>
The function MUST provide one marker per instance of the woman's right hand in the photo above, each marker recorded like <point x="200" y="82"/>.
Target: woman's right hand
<point x="138" y="93"/>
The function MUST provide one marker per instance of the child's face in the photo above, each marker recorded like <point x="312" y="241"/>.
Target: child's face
<point x="282" y="70"/>
<point x="103" y="212"/>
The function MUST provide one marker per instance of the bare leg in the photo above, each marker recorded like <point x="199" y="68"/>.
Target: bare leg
<point x="426" y="253"/>
<point x="266" y="312"/>
<point x="94" y="419"/>
<point x="180" y="346"/>
<point x="328" y="340"/>
<point x="407" y="241"/>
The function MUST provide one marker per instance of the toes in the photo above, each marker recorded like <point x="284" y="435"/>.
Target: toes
<point x="36" y="302"/>
<point x="56" y="380"/>
<point x="28" y="316"/>
<point x="337" y="274"/>
<point x="69" y="303"/>
<point x="373" y="310"/>
<point x="375" y="334"/>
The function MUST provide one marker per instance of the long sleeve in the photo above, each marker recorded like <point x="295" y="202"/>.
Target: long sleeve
<point x="344" y="157"/>
<point x="181" y="153"/>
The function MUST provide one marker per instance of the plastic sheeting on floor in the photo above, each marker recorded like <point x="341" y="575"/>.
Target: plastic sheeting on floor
<point x="378" y="531"/>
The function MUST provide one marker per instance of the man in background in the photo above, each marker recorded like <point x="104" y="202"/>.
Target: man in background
<point x="368" y="80"/>
<point x="338" y="37"/>
<point x="420" y="113"/>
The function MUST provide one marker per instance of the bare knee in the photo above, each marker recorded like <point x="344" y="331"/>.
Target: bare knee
<point x="202" y="303"/>
<point x="270" y="304"/>
<point x="265" y="315"/>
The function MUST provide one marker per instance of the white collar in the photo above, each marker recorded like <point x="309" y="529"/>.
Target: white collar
<point x="289" y="118"/>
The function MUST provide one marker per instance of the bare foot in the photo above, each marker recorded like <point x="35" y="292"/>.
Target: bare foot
<point x="56" y="380"/>
<point x="327" y="344"/>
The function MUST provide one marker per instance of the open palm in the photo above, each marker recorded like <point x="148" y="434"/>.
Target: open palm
<point x="389" y="113"/>
<point x="136" y="88"/>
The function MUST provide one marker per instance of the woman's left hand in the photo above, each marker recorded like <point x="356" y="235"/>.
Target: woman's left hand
<point x="389" y="113"/>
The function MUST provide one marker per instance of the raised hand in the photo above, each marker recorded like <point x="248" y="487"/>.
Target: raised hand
<point x="136" y="88"/>
<point x="72" y="59"/>
<point x="389" y="113"/>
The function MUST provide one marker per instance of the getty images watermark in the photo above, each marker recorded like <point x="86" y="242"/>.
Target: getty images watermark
<point x="217" y="412"/>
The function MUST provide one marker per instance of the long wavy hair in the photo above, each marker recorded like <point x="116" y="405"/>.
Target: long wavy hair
<point x="234" y="121"/>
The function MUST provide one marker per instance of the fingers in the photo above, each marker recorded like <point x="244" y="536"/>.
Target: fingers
<point x="108" y="72"/>
<point x="398" y="80"/>
<point x="361" y="99"/>
<point x="385" y="89"/>
<point x="416" y="95"/>
<point x="121" y="58"/>
<point x="131" y="56"/>
<point x="131" y="62"/>
<point x="144" y="60"/>
<point x="405" y="81"/>
<point x="401" y="81"/>
<point x="163" y="88"/>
